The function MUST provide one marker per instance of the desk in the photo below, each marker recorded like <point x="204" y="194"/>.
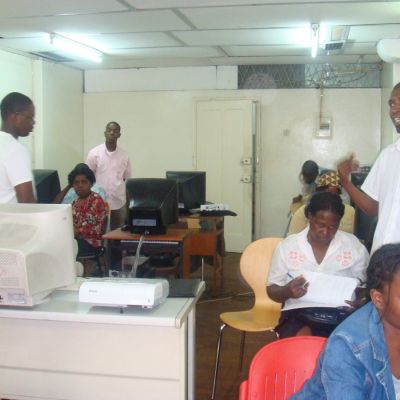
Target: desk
<point x="175" y="240"/>
<point x="65" y="349"/>
<point x="207" y="240"/>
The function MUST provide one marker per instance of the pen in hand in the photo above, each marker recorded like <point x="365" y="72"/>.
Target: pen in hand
<point x="289" y="275"/>
<point x="305" y="284"/>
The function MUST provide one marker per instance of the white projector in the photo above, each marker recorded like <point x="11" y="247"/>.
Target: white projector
<point x="120" y="292"/>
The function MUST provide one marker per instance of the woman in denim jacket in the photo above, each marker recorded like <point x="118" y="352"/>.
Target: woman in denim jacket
<point x="362" y="357"/>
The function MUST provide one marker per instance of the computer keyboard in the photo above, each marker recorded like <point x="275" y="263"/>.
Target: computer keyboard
<point x="152" y="242"/>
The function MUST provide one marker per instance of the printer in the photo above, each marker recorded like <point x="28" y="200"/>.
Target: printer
<point x="124" y="292"/>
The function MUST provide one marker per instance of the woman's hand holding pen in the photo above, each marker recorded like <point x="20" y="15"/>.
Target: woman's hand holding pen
<point x="297" y="287"/>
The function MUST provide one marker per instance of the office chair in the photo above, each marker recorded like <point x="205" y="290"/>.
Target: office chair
<point x="264" y="315"/>
<point x="280" y="368"/>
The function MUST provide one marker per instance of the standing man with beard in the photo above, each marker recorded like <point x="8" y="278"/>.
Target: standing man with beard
<point x="381" y="189"/>
<point x="17" y="120"/>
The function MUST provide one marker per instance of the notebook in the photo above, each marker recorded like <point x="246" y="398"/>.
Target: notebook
<point x="183" y="287"/>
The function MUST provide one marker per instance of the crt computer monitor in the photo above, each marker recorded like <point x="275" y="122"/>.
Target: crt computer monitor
<point x="36" y="252"/>
<point x="47" y="185"/>
<point x="191" y="188"/>
<point x="152" y="205"/>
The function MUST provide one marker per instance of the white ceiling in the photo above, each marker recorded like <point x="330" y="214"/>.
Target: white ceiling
<point x="153" y="33"/>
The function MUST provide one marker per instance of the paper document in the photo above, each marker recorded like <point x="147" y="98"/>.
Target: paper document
<point x="331" y="290"/>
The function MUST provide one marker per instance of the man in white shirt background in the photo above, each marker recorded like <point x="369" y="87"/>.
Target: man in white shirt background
<point x="17" y="120"/>
<point x="381" y="189"/>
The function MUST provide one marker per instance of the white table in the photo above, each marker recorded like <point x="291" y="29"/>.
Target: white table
<point x="62" y="349"/>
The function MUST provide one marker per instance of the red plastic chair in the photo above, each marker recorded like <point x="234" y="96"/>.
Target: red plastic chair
<point x="280" y="368"/>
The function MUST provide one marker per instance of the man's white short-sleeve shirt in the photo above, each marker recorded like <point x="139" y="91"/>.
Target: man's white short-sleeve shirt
<point x="15" y="167"/>
<point x="383" y="185"/>
<point x="346" y="256"/>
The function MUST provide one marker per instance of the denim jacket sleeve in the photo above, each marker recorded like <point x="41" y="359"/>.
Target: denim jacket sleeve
<point x="342" y="372"/>
<point x="338" y="375"/>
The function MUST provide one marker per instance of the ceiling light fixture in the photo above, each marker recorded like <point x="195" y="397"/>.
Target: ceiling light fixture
<point x="76" y="49"/>
<point x="314" y="39"/>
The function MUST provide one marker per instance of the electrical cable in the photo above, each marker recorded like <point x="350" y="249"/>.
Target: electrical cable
<point x="137" y="256"/>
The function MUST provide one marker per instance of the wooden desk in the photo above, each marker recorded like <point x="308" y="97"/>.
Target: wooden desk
<point x="207" y="240"/>
<point x="175" y="240"/>
<point x="70" y="350"/>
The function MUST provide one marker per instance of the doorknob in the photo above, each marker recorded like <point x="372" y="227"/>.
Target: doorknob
<point x="247" y="179"/>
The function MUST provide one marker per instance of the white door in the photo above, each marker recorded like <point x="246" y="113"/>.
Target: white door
<point x="224" y="138"/>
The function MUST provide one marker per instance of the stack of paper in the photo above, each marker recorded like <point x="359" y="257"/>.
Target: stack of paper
<point x="331" y="290"/>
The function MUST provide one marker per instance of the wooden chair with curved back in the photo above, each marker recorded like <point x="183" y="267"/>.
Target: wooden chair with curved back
<point x="264" y="315"/>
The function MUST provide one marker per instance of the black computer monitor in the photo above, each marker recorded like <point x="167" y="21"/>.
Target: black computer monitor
<point x="152" y="205"/>
<point x="47" y="184"/>
<point x="191" y="188"/>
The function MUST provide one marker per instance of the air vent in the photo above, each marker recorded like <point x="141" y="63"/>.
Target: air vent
<point x="334" y="46"/>
<point x="48" y="55"/>
<point x="335" y="39"/>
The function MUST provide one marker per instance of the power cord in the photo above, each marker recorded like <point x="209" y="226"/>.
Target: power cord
<point x="137" y="256"/>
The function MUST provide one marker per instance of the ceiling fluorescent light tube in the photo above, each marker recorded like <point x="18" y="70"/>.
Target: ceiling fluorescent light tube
<point x="76" y="49"/>
<point x="314" y="39"/>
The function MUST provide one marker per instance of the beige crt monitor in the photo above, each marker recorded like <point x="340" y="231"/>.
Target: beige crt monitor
<point x="36" y="252"/>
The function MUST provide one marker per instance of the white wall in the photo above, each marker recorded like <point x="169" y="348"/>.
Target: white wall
<point x="289" y="119"/>
<point x="57" y="139"/>
<point x="62" y="118"/>
<point x="16" y="74"/>
<point x="158" y="134"/>
<point x="173" y="78"/>
<point x="156" y="127"/>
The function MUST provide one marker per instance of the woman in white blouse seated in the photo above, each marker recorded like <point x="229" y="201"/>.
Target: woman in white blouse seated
<point x="322" y="248"/>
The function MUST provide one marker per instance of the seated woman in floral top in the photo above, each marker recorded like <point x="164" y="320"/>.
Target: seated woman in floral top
<point x="318" y="249"/>
<point x="88" y="210"/>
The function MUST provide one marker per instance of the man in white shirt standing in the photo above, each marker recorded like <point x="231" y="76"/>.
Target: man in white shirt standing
<point x="111" y="167"/>
<point x="17" y="120"/>
<point x="381" y="188"/>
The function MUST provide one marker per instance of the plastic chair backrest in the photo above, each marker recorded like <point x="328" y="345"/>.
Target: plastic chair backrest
<point x="254" y="266"/>
<point x="280" y="368"/>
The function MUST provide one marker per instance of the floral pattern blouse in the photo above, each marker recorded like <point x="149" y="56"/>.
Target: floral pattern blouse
<point x="346" y="256"/>
<point x="89" y="218"/>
